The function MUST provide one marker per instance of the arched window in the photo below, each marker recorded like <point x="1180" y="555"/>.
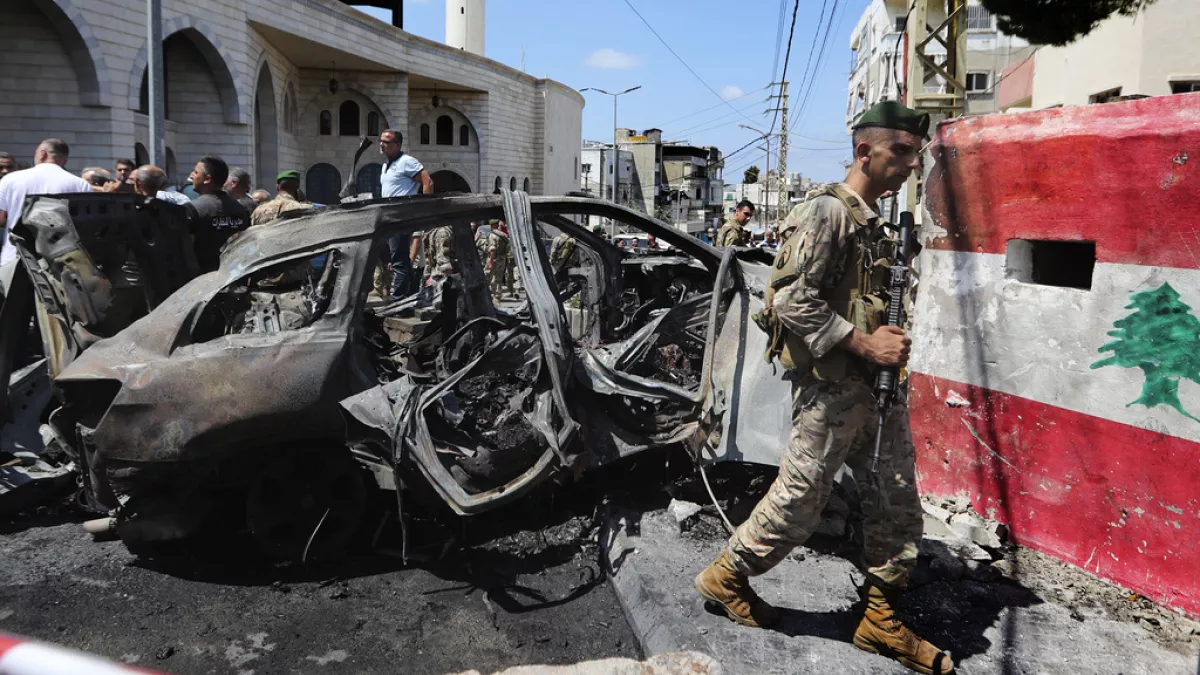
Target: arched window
<point x="512" y="183"/>
<point x="348" y="119"/>
<point x="464" y="135"/>
<point x="326" y="123"/>
<point x="287" y="111"/>
<point x="424" y="134"/>
<point x="525" y="185"/>
<point x="445" y="130"/>
<point x="498" y="184"/>
<point x="372" y="123"/>
<point x="140" y="154"/>
<point x="367" y="181"/>
<point x="322" y="183"/>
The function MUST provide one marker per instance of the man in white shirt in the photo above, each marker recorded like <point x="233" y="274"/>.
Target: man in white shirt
<point x="46" y="177"/>
<point x="402" y="176"/>
<point x="149" y="181"/>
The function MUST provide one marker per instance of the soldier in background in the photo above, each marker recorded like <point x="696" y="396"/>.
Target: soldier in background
<point x="440" y="258"/>
<point x="734" y="232"/>
<point x="287" y="199"/>
<point x="498" y="267"/>
<point x="562" y="251"/>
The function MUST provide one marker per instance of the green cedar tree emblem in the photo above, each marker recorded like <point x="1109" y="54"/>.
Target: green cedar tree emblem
<point x="1163" y="339"/>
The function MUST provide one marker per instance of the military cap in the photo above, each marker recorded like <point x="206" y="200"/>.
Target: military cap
<point x="598" y="229"/>
<point x="290" y="174"/>
<point x="892" y="115"/>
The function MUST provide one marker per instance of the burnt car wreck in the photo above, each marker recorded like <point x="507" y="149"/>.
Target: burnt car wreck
<point x="276" y="384"/>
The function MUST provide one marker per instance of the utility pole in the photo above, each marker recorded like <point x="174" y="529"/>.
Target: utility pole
<point x="616" y="181"/>
<point x="783" y="142"/>
<point x="156" y="114"/>
<point x="767" y="177"/>
<point x="952" y="35"/>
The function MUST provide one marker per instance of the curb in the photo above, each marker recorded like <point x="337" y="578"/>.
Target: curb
<point x="658" y="630"/>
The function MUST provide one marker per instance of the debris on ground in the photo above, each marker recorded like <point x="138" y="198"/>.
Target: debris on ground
<point x="679" y="663"/>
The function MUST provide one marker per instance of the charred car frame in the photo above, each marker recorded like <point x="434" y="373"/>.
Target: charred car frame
<point x="276" y="380"/>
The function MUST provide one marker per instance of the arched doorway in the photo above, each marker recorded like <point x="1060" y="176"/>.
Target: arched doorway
<point x="55" y="41"/>
<point x="449" y="181"/>
<point x="367" y="180"/>
<point x="140" y="154"/>
<point x="322" y="184"/>
<point x="266" y="153"/>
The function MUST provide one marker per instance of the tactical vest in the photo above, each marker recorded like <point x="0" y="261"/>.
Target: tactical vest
<point x="860" y="295"/>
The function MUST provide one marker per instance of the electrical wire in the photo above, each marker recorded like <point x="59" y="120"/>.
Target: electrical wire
<point x="1010" y="72"/>
<point x="803" y="108"/>
<point x="812" y="47"/>
<point x="778" y="38"/>
<point x="687" y="130"/>
<point x="787" y="57"/>
<point x="677" y="119"/>
<point x="680" y="59"/>
<point x="896" y="55"/>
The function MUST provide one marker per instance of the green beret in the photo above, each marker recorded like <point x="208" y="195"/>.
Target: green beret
<point x="892" y="115"/>
<point x="290" y="174"/>
<point x="598" y="229"/>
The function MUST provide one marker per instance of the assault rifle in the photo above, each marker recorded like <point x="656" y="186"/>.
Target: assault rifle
<point x="885" y="380"/>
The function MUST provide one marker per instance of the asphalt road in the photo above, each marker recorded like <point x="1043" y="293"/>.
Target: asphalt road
<point x="524" y="586"/>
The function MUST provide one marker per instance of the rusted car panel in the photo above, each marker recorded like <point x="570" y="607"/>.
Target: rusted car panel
<point x="263" y="356"/>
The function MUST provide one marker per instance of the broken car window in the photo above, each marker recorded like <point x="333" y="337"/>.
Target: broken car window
<point x="288" y="296"/>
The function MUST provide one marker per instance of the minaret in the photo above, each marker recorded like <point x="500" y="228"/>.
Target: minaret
<point x="465" y="25"/>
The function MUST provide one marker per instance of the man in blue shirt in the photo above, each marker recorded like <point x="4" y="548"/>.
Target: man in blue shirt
<point x="402" y="176"/>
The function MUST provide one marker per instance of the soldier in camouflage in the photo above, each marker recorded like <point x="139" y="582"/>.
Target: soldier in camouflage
<point x="499" y="262"/>
<point x="562" y="251"/>
<point x="825" y="315"/>
<point x="734" y="232"/>
<point x="440" y="259"/>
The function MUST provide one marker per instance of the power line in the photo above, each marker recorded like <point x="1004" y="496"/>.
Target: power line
<point x="715" y="119"/>
<point x="811" y="48"/>
<point x="778" y="37"/>
<point x="817" y="68"/>
<point x="680" y="59"/>
<point x="1011" y="71"/>
<point x="786" y="59"/>
<point x="677" y="119"/>
<point x="896" y="55"/>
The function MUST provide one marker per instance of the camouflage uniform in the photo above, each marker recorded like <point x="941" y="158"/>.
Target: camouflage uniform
<point x="562" y="250"/>
<point x="440" y="258"/>
<point x="283" y="203"/>
<point x="499" y="270"/>
<point x="828" y="280"/>
<point x="732" y="234"/>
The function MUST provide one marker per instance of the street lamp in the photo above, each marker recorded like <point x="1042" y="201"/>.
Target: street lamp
<point x="616" y="182"/>
<point x="767" y="205"/>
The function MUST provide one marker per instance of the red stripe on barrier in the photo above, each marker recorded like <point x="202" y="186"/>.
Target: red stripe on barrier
<point x="7" y="642"/>
<point x="1116" y="500"/>
<point x="1124" y="175"/>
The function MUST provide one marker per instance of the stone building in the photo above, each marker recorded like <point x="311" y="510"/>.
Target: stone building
<point x="280" y="84"/>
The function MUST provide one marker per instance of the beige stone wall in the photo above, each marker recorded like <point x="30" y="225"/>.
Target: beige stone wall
<point x="74" y="68"/>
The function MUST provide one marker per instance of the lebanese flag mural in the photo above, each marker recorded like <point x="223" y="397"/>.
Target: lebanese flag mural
<point x="1056" y="358"/>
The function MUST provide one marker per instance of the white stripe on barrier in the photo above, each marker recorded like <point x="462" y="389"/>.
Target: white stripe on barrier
<point x="36" y="658"/>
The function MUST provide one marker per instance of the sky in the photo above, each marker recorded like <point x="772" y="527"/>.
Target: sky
<point x="729" y="44"/>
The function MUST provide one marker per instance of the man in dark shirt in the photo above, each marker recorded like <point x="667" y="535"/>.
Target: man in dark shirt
<point x="214" y="216"/>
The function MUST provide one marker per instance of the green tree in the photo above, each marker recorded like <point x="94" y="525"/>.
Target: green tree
<point x="1057" y="22"/>
<point x="1163" y="339"/>
<point x="751" y="176"/>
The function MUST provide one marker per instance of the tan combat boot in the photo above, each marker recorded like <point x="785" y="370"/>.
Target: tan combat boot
<point x="721" y="583"/>
<point x="881" y="632"/>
